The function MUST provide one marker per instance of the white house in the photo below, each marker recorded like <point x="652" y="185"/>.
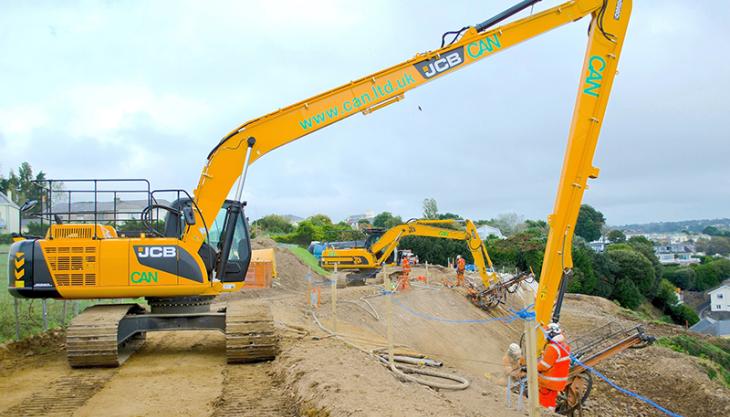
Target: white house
<point x="720" y="298"/>
<point x="682" y="253"/>
<point x="600" y="244"/>
<point x="9" y="215"/>
<point x="486" y="230"/>
<point x="354" y="220"/>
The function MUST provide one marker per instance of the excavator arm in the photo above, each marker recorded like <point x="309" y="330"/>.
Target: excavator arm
<point x="230" y="159"/>
<point x="244" y="145"/>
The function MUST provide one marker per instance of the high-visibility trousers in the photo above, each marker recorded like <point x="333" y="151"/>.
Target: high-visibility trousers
<point x="548" y="398"/>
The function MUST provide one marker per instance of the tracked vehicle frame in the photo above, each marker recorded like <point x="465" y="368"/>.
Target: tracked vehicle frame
<point x="106" y="335"/>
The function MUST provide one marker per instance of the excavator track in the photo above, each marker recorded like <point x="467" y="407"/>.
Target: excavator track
<point x="250" y="334"/>
<point x="252" y="390"/>
<point x="91" y="338"/>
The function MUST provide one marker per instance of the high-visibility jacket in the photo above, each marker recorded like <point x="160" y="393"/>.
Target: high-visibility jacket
<point x="554" y="366"/>
<point x="461" y="265"/>
<point x="406" y="265"/>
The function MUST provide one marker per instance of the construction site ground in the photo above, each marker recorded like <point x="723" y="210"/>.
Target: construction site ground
<point x="185" y="373"/>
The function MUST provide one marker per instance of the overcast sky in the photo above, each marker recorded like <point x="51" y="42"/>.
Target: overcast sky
<point x="146" y="89"/>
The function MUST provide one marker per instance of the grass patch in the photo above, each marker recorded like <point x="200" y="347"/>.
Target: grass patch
<point x="307" y="258"/>
<point x="31" y="310"/>
<point x="714" y="355"/>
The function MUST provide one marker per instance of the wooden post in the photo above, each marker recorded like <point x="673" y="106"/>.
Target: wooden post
<point x="389" y="327"/>
<point x="533" y="407"/>
<point x="386" y="279"/>
<point x="309" y="287"/>
<point x="334" y="301"/>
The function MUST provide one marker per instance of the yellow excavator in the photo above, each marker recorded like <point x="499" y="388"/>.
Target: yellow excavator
<point x="202" y="248"/>
<point x="380" y="245"/>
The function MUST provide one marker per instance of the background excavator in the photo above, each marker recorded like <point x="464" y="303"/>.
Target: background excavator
<point x="203" y="250"/>
<point x="380" y="246"/>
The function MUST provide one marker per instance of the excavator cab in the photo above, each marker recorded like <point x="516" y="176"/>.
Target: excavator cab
<point x="228" y="234"/>
<point x="373" y="233"/>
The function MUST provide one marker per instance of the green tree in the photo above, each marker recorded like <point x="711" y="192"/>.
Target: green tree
<point x="683" y="277"/>
<point x="435" y="250"/>
<point x="616" y="236"/>
<point x="386" y="220"/>
<point x="274" y="223"/>
<point x="536" y="227"/>
<point x="627" y="294"/>
<point x="633" y="266"/>
<point x="665" y="295"/>
<point x="521" y="251"/>
<point x="430" y="208"/>
<point x="590" y="223"/>
<point x="645" y="246"/>
<point x="718" y="246"/>
<point x="363" y="224"/>
<point x="585" y="279"/>
<point x="22" y="186"/>
<point x="320" y="220"/>
<point x="508" y="223"/>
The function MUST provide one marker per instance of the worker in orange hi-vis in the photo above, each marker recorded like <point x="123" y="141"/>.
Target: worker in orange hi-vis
<point x="553" y="367"/>
<point x="405" y="273"/>
<point x="460" y="267"/>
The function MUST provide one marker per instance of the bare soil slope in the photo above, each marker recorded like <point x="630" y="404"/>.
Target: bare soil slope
<point x="184" y="373"/>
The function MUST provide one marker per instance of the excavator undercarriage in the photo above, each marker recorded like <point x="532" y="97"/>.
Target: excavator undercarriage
<point x="107" y="334"/>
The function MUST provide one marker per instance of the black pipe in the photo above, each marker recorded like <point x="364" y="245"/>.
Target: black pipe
<point x="234" y="210"/>
<point x="559" y="302"/>
<point x="505" y="14"/>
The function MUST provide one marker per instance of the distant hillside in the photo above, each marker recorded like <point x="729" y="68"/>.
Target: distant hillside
<point x="672" y="227"/>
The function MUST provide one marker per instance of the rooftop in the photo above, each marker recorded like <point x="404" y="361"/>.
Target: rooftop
<point x="4" y="200"/>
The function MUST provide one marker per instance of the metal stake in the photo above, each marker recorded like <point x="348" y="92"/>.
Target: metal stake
<point x="63" y="315"/>
<point x="17" y="318"/>
<point x="334" y="301"/>
<point x="45" y="314"/>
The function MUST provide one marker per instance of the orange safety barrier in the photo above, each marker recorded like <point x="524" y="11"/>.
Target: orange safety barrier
<point x="259" y="275"/>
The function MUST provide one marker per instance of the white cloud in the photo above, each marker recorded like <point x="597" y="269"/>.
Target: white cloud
<point x="120" y="89"/>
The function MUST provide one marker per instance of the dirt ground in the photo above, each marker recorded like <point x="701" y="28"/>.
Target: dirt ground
<point x="316" y="374"/>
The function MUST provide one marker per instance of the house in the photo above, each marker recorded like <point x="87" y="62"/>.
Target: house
<point x="486" y="230"/>
<point x="682" y="253"/>
<point x="600" y="244"/>
<point x="720" y="297"/>
<point x="355" y="219"/>
<point x="708" y="325"/>
<point x="9" y="215"/>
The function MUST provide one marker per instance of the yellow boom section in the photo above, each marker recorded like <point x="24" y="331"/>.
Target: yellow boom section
<point x="372" y="92"/>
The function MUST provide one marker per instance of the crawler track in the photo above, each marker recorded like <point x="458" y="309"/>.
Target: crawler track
<point x="64" y="395"/>
<point x="250" y="390"/>
<point x="91" y="339"/>
<point x="250" y="335"/>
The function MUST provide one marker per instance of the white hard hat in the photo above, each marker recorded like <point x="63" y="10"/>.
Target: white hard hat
<point x="514" y="350"/>
<point x="553" y="329"/>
